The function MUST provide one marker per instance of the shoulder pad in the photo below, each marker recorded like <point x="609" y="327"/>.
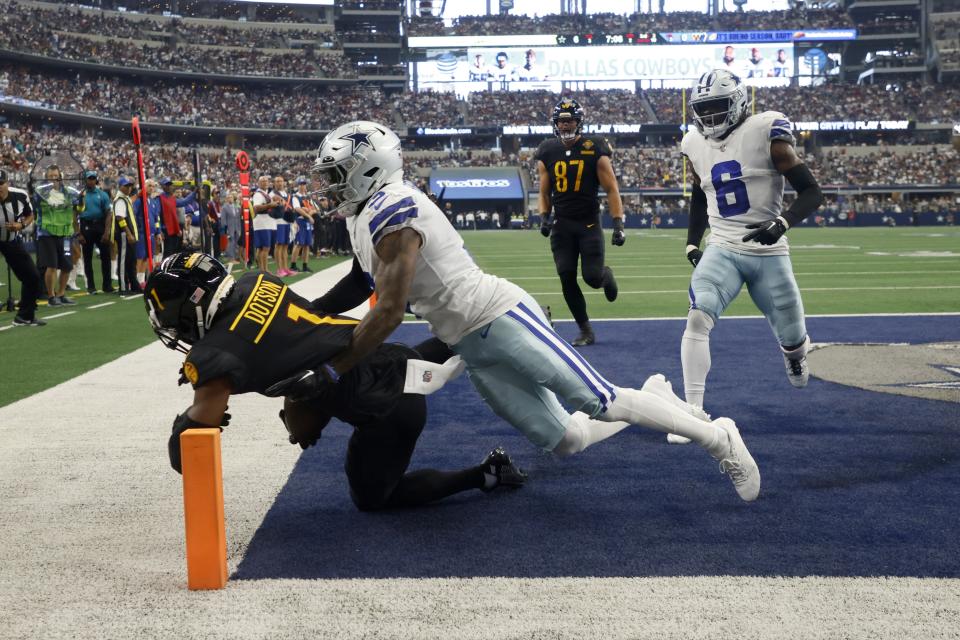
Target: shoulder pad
<point x="394" y="213"/>
<point x="775" y="126"/>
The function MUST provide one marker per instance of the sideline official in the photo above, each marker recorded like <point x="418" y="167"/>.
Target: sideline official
<point x="16" y="214"/>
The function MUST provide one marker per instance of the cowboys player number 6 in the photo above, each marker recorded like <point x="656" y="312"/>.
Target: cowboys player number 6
<point x="739" y="165"/>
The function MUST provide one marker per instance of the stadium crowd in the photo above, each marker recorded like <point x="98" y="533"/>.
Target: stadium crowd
<point x="925" y="166"/>
<point x="311" y="107"/>
<point x="78" y="20"/>
<point x="933" y="103"/>
<point x="636" y="22"/>
<point x="319" y="107"/>
<point x="608" y="106"/>
<point x="37" y="37"/>
<point x="636" y="166"/>
<point x="889" y="24"/>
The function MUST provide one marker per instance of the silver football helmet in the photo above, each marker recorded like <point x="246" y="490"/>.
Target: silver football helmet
<point x="354" y="161"/>
<point x="718" y="102"/>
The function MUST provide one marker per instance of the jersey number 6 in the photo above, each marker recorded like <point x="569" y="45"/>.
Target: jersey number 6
<point x="739" y="203"/>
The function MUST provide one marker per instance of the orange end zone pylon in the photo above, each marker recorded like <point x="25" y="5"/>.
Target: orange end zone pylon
<point x="203" y="509"/>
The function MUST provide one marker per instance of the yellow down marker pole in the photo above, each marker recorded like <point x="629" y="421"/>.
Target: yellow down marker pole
<point x="203" y="509"/>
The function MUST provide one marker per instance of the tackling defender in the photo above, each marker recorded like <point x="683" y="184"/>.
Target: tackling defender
<point x="745" y="160"/>
<point x="410" y="255"/>
<point x="254" y="334"/>
<point x="572" y="168"/>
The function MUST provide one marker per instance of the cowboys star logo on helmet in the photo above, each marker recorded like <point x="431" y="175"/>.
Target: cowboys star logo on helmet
<point x="718" y="103"/>
<point x="354" y="161"/>
<point x="357" y="138"/>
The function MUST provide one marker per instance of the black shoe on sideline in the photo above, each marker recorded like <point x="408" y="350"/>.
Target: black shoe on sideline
<point x="586" y="337"/>
<point x="498" y="463"/>
<point x="23" y="322"/>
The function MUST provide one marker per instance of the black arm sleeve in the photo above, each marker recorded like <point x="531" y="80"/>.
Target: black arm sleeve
<point x="809" y="196"/>
<point x="698" y="216"/>
<point x="350" y="292"/>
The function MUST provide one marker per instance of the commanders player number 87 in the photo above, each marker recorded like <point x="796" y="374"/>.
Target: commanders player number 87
<point x="560" y="173"/>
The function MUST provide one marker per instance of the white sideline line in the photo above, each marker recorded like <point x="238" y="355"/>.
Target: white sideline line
<point x="758" y="316"/>
<point x="56" y="315"/>
<point x="104" y="304"/>
<point x="797" y="273"/>
<point x="802" y="290"/>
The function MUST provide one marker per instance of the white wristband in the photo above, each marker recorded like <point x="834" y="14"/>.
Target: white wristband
<point x="786" y="225"/>
<point x="425" y="377"/>
<point x="692" y="247"/>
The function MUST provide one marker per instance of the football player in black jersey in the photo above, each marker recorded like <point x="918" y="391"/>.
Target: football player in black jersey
<point x="572" y="168"/>
<point x="254" y="334"/>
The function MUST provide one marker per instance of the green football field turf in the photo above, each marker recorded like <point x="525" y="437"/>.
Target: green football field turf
<point x="840" y="271"/>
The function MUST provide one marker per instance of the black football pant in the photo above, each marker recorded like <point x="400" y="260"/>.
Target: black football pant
<point x="171" y="244"/>
<point x="379" y="453"/>
<point x="92" y="233"/>
<point x="574" y="241"/>
<point x="23" y="267"/>
<point x="126" y="264"/>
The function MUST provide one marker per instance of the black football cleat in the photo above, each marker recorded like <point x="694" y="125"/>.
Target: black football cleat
<point x="498" y="463"/>
<point x="609" y="284"/>
<point x="586" y="337"/>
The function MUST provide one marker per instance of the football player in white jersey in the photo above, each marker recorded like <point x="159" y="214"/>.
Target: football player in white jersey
<point x="739" y="165"/>
<point x="411" y="257"/>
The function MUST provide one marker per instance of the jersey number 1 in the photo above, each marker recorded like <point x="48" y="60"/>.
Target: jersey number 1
<point x="560" y="173"/>
<point x="740" y="203"/>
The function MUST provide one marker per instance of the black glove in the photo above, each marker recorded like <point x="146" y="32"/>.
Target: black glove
<point x="546" y="225"/>
<point x="181" y="424"/>
<point x="618" y="236"/>
<point x="766" y="232"/>
<point x="303" y="385"/>
<point x="693" y="255"/>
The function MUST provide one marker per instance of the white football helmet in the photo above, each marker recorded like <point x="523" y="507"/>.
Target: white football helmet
<point x="354" y="161"/>
<point x="718" y="102"/>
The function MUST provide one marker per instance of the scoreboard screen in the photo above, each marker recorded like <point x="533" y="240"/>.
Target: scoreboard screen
<point x="543" y="67"/>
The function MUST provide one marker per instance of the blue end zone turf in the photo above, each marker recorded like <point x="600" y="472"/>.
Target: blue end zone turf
<point x="855" y="483"/>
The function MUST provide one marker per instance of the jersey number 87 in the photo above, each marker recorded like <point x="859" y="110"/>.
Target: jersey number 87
<point x="560" y="174"/>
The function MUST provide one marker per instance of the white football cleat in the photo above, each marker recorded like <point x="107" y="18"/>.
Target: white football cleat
<point x="797" y="372"/>
<point x="796" y="363"/>
<point x="737" y="462"/>
<point x="658" y="385"/>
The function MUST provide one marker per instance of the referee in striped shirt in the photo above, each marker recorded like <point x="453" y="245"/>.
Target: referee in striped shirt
<point x="15" y="215"/>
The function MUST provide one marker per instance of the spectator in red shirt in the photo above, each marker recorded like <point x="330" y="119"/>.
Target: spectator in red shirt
<point x="172" y="233"/>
